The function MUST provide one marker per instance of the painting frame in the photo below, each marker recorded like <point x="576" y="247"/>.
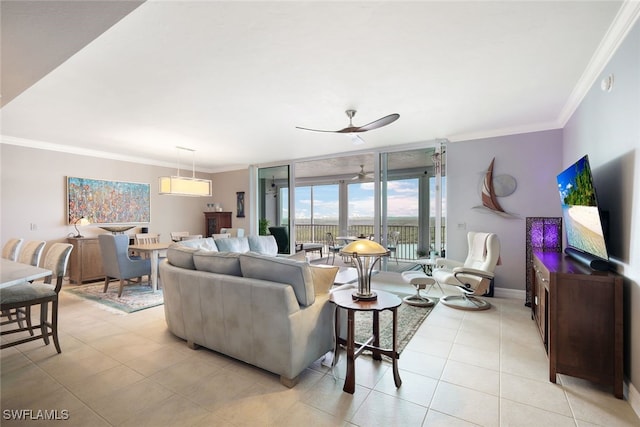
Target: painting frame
<point x="107" y="202"/>
<point x="240" y="204"/>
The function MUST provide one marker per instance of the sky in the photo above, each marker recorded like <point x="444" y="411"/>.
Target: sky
<point x="402" y="198"/>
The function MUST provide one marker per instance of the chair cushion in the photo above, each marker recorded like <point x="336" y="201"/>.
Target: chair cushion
<point x="281" y="270"/>
<point x="218" y="262"/>
<point x="26" y="292"/>
<point x="233" y="244"/>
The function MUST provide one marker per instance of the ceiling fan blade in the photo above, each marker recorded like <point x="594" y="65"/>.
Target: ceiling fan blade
<point x="386" y="120"/>
<point x="319" y="130"/>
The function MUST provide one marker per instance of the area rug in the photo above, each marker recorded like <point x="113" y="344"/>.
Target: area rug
<point x="134" y="297"/>
<point x="409" y="320"/>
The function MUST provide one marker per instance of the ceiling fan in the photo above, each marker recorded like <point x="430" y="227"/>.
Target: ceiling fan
<point x="386" y="120"/>
<point x="362" y="175"/>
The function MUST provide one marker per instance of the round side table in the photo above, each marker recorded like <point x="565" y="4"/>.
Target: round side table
<point x="385" y="301"/>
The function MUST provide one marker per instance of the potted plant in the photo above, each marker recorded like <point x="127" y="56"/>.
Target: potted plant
<point x="263" y="224"/>
<point x="421" y="253"/>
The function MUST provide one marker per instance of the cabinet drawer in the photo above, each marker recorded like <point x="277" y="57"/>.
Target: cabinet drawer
<point x="541" y="272"/>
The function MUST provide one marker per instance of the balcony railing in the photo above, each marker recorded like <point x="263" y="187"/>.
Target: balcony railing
<point x="407" y="241"/>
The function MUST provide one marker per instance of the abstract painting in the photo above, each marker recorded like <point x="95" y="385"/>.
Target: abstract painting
<point x="107" y="202"/>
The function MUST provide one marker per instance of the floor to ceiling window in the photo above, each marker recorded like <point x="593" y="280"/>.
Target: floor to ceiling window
<point x="338" y="195"/>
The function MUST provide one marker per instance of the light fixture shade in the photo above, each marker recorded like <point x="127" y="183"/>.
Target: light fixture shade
<point x="184" y="186"/>
<point x="364" y="247"/>
<point x="365" y="254"/>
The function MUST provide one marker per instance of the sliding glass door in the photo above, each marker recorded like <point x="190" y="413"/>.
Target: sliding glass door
<point x="395" y="197"/>
<point x="273" y="200"/>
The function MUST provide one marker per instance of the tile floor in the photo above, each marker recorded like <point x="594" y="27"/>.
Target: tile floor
<point x="460" y="369"/>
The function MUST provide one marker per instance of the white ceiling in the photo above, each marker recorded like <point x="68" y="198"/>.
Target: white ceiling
<point x="232" y="80"/>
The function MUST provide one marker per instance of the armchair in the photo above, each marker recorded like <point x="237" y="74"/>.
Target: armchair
<point x="282" y="238"/>
<point x="473" y="276"/>
<point x="116" y="261"/>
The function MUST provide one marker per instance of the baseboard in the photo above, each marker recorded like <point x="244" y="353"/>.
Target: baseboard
<point x="509" y="293"/>
<point x="633" y="397"/>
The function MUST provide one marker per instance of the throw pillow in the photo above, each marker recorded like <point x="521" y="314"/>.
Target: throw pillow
<point x="280" y="270"/>
<point x="323" y="277"/>
<point x="233" y="244"/>
<point x="263" y="244"/>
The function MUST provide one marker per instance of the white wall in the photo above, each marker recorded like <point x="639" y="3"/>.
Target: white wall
<point x="607" y="128"/>
<point x="33" y="191"/>
<point x="534" y="160"/>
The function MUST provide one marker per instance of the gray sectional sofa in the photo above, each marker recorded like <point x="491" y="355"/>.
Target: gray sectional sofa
<point x="237" y="297"/>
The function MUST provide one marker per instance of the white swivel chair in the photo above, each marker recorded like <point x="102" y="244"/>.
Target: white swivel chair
<point x="473" y="276"/>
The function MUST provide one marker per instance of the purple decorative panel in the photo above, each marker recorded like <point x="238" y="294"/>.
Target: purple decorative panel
<point x="543" y="234"/>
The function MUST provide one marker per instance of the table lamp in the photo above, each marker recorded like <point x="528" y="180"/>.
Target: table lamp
<point x="80" y="221"/>
<point x="365" y="253"/>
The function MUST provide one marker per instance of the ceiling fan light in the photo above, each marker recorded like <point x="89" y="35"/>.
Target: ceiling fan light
<point x="356" y="139"/>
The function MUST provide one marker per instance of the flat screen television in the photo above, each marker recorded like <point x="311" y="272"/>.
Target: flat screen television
<point x="582" y="217"/>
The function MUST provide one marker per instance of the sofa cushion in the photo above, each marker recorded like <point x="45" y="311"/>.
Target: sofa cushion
<point x="218" y="262"/>
<point x="233" y="244"/>
<point x="323" y="277"/>
<point x="281" y="270"/>
<point x="181" y="256"/>
<point x="263" y="245"/>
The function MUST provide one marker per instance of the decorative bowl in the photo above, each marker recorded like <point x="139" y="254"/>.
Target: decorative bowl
<point x="117" y="228"/>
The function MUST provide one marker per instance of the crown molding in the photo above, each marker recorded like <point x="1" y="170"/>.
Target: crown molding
<point x="495" y="133"/>
<point x="618" y="30"/>
<point x="42" y="145"/>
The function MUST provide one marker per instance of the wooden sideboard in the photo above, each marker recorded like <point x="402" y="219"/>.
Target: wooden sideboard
<point x="85" y="262"/>
<point x="578" y="312"/>
<point x="214" y="221"/>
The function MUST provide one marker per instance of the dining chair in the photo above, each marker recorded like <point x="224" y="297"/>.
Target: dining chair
<point x="392" y="244"/>
<point x="146" y="238"/>
<point x="332" y="247"/>
<point x="176" y="236"/>
<point x="31" y="252"/>
<point x="234" y="232"/>
<point x="116" y="262"/>
<point x="191" y="237"/>
<point x="26" y="295"/>
<point x="11" y="249"/>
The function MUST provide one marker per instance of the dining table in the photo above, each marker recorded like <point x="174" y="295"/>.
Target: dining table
<point x="155" y="251"/>
<point x="14" y="273"/>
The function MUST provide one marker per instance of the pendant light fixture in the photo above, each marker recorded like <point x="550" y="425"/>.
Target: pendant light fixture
<point x="183" y="185"/>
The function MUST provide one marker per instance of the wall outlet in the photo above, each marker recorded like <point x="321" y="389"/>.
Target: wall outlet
<point x="462" y="226"/>
<point x="33" y="226"/>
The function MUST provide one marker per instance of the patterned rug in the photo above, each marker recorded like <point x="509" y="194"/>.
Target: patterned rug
<point x="134" y="297"/>
<point x="409" y="320"/>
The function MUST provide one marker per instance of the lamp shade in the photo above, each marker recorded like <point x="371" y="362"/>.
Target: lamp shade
<point x="365" y="254"/>
<point x="184" y="186"/>
<point x="364" y="247"/>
